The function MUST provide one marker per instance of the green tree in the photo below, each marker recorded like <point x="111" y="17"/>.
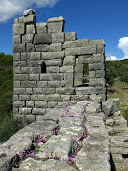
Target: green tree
<point x="110" y="75"/>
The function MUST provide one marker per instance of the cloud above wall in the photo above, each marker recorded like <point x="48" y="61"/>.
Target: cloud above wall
<point x="109" y="57"/>
<point x="10" y="8"/>
<point x="123" y="45"/>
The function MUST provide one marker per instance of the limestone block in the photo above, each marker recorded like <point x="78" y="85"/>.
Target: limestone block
<point x="42" y="38"/>
<point x="93" y="107"/>
<point x="15" y="97"/>
<point x="96" y="66"/>
<point x="23" y="56"/>
<point x="85" y="59"/>
<point x="19" y="90"/>
<point x="30" y="29"/>
<point x="52" y="55"/>
<point x="49" y="90"/>
<point x="29" y="12"/>
<point x="30" y="70"/>
<point x="16" y="21"/>
<point x="65" y="90"/>
<point x="33" y="56"/>
<point x="80" y="50"/>
<point x="16" y="39"/>
<point x="53" y="97"/>
<point x="25" y="111"/>
<point x="77" y="43"/>
<point x="67" y="69"/>
<point x="24" y="97"/>
<point x="16" y="70"/>
<point x="30" y="47"/>
<point x="52" y="104"/>
<point x="68" y="77"/>
<point x="18" y="118"/>
<point x="57" y="37"/>
<point x="42" y="84"/>
<point x="79" y="70"/>
<point x="30" y="118"/>
<point x="53" y="69"/>
<point x="19" y="47"/>
<point x="100" y="49"/>
<point x="111" y="106"/>
<point x="55" y="47"/>
<point x="100" y="90"/>
<point x="40" y="104"/>
<point x="57" y="76"/>
<point x="18" y="29"/>
<point x="35" y="97"/>
<point x="16" y="84"/>
<point x="54" y="84"/>
<point x="97" y="42"/>
<point x="85" y="90"/>
<point x="27" y="38"/>
<point x="110" y="122"/>
<point x="98" y="58"/>
<point x="42" y="48"/>
<point x="20" y="77"/>
<point x="28" y="19"/>
<point x="45" y="77"/>
<point x="41" y="27"/>
<point x="55" y="19"/>
<point x="29" y="91"/>
<point x="69" y="60"/>
<point x="56" y="27"/>
<point x="100" y="74"/>
<point x="19" y="64"/>
<point x="29" y="104"/>
<point x="18" y="104"/>
<point x="37" y="90"/>
<point x="38" y="111"/>
<point x="33" y="77"/>
<point x="92" y="74"/>
<point x="16" y="57"/>
<point x="57" y="62"/>
<point x="28" y="84"/>
<point x="70" y="36"/>
<point x="97" y="82"/>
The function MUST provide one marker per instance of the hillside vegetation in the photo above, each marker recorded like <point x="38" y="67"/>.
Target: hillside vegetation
<point x="117" y="88"/>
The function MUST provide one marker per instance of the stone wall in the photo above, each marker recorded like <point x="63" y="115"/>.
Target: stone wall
<point x="48" y="65"/>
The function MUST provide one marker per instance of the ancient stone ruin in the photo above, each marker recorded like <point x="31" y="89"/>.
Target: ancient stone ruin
<point x="70" y="124"/>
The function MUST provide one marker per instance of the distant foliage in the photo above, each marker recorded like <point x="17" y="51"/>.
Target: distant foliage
<point x="6" y="60"/>
<point x="124" y="78"/>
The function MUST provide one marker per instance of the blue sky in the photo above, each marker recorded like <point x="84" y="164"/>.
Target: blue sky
<point x="90" y="19"/>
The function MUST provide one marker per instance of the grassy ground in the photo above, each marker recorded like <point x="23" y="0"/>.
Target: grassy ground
<point x="120" y="91"/>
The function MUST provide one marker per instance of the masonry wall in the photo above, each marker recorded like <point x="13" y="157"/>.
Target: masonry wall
<point x="48" y="65"/>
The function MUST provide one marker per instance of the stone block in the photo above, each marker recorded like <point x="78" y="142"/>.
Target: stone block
<point x="42" y="38"/>
<point x="30" y="119"/>
<point x="33" y="56"/>
<point x="53" y="97"/>
<point x="23" y="56"/>
<point x="16" y="39"/>
<point x="16" y="21"/>
<point x="18" y="104"/>
<point x="30" y="47"/>
<point x="33" y="77"/>
<point x="100" y="49"/>
<point x="42" y="48"/>
<point x="20" y="77"/>
<point x="98" y="58"/>
<point x="19" y="90"/>
<point x="80" y="50"/>
<point x="97" y="42"/>
<point x="40" y="104"/>
<point x="28" y="19"/>
<point x="49" y="90"/>
<point x="52" y="55"/>
<point x="42" y="84"/>
<point x="30" y="70"/>
<point x="67" y="69"/>
<point x="27" y="38"/>
<point x="28" y="84"/>
<point x="65" y="90"/>
<point x="45" y="77"/>
<point x="18" y="29"/>
<point x="85" y="59"/>
<point x="29" y="104"/>
<point x="93" y="107"/>
<point x="55" y="47"/>
<point x="29" y="91"/>
<point x="69" y="77"/>
<point x="16" y="70"/>
<point x="25" y="111"/>
<point x="38" y="111"/>
<point x="70" y="36"/>
<point x="100" y="90"/>
<point x="54" y="84"/>
<point x="100" y="74"/>
<point x="69" y="60"/>
<point x="24" y="97"/>
<point x="85" y="90"/>
<point x="97" y="82"/>
<point x="37" y="90"/>
<point x="53" y="69"/>
<point x="57" y="62"/>
<point x="41" y="27"/>
<point x="29" y="12"/>
<point x="52" y="104"/>
<point x="57" y="76"/>
<point x="57" y="37"/>
<point x="74" y="44"/>
<point x="19" y="47"/>
<point x="37" y="97"/>
<point x="30" y="29"/>
<point x="15" y="111"/>
<point x="92" y="74"/>
<point x="16" y="57"/>
<point x="96" y="66"/>
<point x="19" y="64"/>
<point x="15" y="97"/>
<point x="16" y="84"/>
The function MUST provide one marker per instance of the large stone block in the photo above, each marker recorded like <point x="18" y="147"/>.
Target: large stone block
<point x="55" y="47"/>
<point x="52" y="55"/>
<point x="30" y="47"/>
<point x="98" y="58"/>
<point x="54" y="84"/>
<point x="57" y="37"/>
<point x="27" y="38"/>
<point x="69" y="60"/>
<point x="42" y="48"/>
<point x="100" y="90"/>
<point x="18" y="29"/>
<point x="16" y="39"/>
<point x="42" y="84"/>
<point x="19" y="64"/>
<point x="16" y="57"/>
<point x="20" y="77"/>
<point x="97" y="42"/>
<point x="24" y="97"/>
<point x="85" y="90"/>
<point x="40" y="104"/>
<point x="97" y="82"/>
<point x="92" y="74"/>
<point x="18" y="104"/>
<point x="53" y="69"/>
<point x="53" y="97"/>
<point x="19" y="47"/>
<point x="69" y="77"/>
<point x="96" y="66"/>
<point x="100" y="73"/>
<point x="67" y="69"/>
<point x="30" y="29"/>
<point x="80" y="51"/>
<point x="41" y="27"/>
<point x="30" y="70"/>
<point x="28" y="84"/>
<point x="38" y="111"/>
<point x="33" y="77"/>
<point x="37" y="90"/>
<point x="49" y="90"/>
<point x="85" y="59"/>
<point x="28" y="19"/>
<point x="42" y="38"/>
<point x="19" y="90"/>
<point x="33" y="56"/>
<point x="77" y="43"/>
<point x="70" y="36"/>
<point x="57" y="62"/>
<point x="57" y="76"/>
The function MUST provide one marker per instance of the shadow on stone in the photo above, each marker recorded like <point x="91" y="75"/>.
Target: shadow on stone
<point x="112" y="163"/>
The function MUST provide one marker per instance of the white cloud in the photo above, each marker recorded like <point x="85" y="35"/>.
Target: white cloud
<point x="123" y="45"/>
<point x="109" y="57"/>
<point x="10" y="8"/>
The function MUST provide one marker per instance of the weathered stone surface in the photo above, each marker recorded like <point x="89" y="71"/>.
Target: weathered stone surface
<point x="41" y="27"/>
<point x="42" y="38"/>
<point x="29" y="12"/>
